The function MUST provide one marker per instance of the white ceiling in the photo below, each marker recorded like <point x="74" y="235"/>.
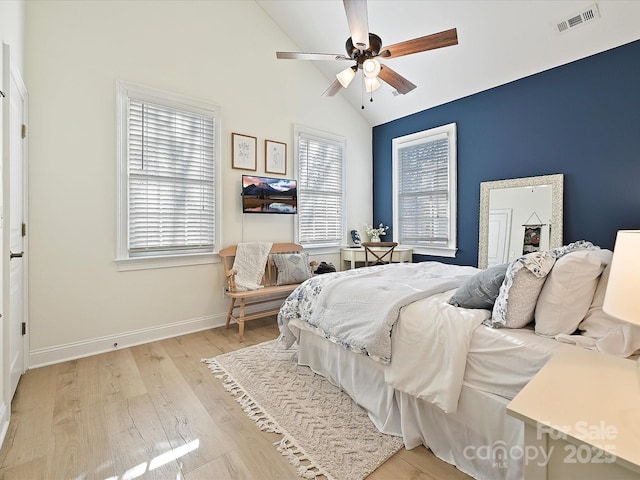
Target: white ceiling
<point x="499" y="41"/>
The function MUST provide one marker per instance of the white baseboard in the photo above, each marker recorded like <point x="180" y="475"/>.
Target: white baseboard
<point x="85" y="348"/>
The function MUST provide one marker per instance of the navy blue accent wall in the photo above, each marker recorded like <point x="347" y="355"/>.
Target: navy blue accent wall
<point x="581" y="119"/>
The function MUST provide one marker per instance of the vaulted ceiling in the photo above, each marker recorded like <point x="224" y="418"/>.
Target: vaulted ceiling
<point x="499" y="41"/>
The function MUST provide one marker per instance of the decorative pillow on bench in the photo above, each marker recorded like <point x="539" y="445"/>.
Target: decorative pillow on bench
<point x="292" y="267"/>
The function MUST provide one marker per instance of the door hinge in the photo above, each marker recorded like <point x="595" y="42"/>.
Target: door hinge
<point x="24" y="328"/>
<point x="24" y="229"/>
<point x="24" y="131"/>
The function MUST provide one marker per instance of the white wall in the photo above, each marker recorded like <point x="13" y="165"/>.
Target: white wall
<point x="219" y="51"/>
<point x="12" y="15"/>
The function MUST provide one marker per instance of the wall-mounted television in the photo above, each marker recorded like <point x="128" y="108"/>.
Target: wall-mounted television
<point x="269" y="195"/>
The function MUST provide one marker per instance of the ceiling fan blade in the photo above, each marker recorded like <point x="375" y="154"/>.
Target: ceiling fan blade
<point x="310" y="56"/>
<point x="357" y="18"/>
<point x="397" y="81"/>
<point x="422" y="44"/>
<point x="334" y="88"/>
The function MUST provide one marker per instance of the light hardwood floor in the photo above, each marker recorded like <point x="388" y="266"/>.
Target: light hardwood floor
<point x="156" y="412"/>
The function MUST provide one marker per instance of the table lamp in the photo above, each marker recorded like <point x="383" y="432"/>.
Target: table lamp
<point x="622" y="297"/>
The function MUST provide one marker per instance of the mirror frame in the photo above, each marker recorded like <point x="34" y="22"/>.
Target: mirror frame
<point x="557" y="184"/>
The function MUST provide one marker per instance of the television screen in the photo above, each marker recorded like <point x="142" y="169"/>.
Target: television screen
<point x="269" y="195"/>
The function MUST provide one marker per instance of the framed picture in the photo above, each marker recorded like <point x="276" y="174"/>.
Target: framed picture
<point x="275" y="157"/>
<point x="243" y="152"/>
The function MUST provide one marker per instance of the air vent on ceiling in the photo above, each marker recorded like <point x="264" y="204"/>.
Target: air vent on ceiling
<point x="590" y="14"/>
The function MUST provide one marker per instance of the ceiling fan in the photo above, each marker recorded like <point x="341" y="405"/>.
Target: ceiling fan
<point x="364" y="47"/>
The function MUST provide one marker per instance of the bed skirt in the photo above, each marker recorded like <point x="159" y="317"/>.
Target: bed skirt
<point x="479" y="439"/>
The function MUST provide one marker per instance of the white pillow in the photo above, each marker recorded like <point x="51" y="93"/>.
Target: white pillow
<point x="568" y="291"/>
<point x="611" y="335"/>
<point x="523" y="281"/>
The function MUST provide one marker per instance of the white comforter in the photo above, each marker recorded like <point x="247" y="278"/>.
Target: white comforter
<point x="358" y="308"/>
<point x="428" y="346"/>
<point x="430" y="343"/>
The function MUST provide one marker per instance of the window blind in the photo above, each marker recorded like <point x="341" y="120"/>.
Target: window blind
<point x="320" y="195"/>
<point x="423" y="193"/>
<point x="171" y="180"/>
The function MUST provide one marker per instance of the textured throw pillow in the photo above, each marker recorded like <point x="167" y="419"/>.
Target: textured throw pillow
<point x="572" y="247"/>
<point x="292" y="267"/>
<point x="610" y="334"/>
<point x="523" y="281"/>
<point x="568" y="292"/>
<point x="481" y="290"/>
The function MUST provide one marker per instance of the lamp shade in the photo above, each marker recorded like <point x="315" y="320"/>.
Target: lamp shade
<point x="622" y="297"/>
<point x="371" y="67"/>
<point x="371" y="84"/>
<point x="345" y="76"/>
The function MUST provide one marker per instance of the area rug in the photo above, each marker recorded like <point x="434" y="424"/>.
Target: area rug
<point x="324" y="432"/>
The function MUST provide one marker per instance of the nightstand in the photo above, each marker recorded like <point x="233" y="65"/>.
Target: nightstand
<point x="351" y="256"/>
<point x="582" y="412"/>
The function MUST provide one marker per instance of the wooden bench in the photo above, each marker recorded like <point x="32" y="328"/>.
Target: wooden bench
<point x="240" y="300"/>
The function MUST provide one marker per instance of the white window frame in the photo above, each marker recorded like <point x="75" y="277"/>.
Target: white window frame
<point x="123" y="260"/>
<point x="446" y="131"/>
<point x="298" y="131"/>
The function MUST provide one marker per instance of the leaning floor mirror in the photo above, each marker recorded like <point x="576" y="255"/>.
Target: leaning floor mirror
<point x="519" y="216"/>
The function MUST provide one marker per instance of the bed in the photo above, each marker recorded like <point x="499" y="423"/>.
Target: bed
<point x="461" y="343"/>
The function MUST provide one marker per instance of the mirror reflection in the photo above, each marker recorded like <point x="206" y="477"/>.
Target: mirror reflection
<point x="519" y="216"/>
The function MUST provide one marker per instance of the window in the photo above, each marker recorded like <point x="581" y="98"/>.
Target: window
<point x="424" y="197"/>
<point x="320" y="168"/>
<point x="167" y="179"/>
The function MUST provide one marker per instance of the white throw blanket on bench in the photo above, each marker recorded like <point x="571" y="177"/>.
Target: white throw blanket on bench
<point x="249" y="263"/>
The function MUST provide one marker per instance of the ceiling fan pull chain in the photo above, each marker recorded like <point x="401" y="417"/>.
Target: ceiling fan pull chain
<point x="362" y="93"/>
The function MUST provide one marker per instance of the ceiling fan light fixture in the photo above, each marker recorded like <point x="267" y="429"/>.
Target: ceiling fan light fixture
<point x="345" y="76"/>
<point x="371" y="84"/>
<point x="371" y="67"/>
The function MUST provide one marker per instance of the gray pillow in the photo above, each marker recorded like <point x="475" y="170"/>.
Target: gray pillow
<point x="481" y="290"/>
<point x="292" y="267"/>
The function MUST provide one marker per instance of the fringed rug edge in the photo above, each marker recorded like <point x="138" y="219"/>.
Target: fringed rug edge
<point x="288" y="445"/>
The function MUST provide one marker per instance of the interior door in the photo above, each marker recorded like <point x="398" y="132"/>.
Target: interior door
<point x="14" y="302"/>
<point x="499" y="234"/>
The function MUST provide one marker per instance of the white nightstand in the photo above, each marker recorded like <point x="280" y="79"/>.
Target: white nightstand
<point x="582" y="411"/>
<point x="350" y="256"/>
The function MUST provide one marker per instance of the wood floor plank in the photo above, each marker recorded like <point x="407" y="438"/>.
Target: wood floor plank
<point x="184" y="419"/>
<point x="230" y="465"/>
<point x="119" y="376"/>
<point x="28" y="437"/>
<point x="423" y="459"/>
<point x="36" y="387"/>
<point x="80" y="446"/>
<point x="137" y="440"/>
<point x="396" y="468"/>
<point x="28" y="470"/>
